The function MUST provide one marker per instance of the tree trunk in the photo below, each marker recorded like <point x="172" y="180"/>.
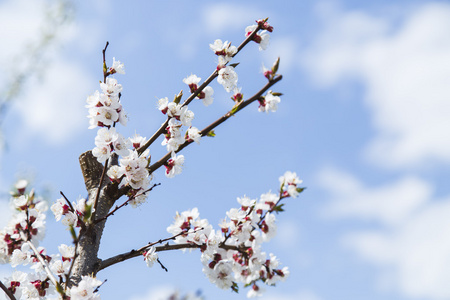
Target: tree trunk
<point x="87" y="262"/>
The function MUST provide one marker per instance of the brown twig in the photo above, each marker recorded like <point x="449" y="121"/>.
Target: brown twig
<point x="105" y="69"/>
<point x="192" y="96"/>
<point x="125" y="203"/>
<point x="67" y="200"/>
<point x="216" y="123"/>
<point x="261" y="219"/>
<point x="162" y="266"/>
<point x="7" y="292"/>
<point x="80" y="220"/>
<point x="97" y="195"/>
<point x="167" y="247"/>
<point x="72" y="263"/>
<point x="134" y="253"/>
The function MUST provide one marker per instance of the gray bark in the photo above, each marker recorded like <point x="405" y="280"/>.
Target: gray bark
<point x="88" y="262"/>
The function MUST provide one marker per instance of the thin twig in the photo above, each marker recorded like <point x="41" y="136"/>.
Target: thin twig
<point x="67" y="200"/>
<point x="134" y="253"/>
<point x="248" y="39"/>
<point x="72" y="263"/>
<point x="97" y="195"/>
<point x="167" y="247"/>
<point x="216" y="123"/>
<point x="162" y="266"/>
<point x="261" y="219"/>
<point x="105" y="69"/>
<point x="192" y="96"/>
<point x="7" y="292"/>
<point x="125" y="203"/>
<point x="45" y="265"/>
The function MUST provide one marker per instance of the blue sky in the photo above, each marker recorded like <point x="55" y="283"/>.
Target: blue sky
<point x="363" y="121"/>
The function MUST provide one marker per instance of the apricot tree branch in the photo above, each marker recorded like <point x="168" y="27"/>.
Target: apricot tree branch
<point x="125" y="203"/>
<point x="191" y="97"/>
<point x="167" y="247"/>
<point x="7" y="292"/>
<point x="219" y="121"/>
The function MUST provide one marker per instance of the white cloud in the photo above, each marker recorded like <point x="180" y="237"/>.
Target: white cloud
<point x="411" y="245"/>
<point x="286" y="49"/>
<point x="161" y="293"/>
<point x="405" y="67"/>
<point x="50" y="104"/>
<point x="217" y="17"/>
<point x="53" y="109"/>
<point x="302" y="295"/>
<point x="22" y="20"/>
<point x="391" y="204"/>
<point x="288" y="233"/>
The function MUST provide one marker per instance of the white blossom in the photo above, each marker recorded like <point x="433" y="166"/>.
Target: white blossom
<point x="150" y="256"/>
<point x="192" y="81"/>
<point x="115" y="173"/>
<point x="221" y="274"/>
<point x="269" y="103"/>
<point x="265" y="39"/>
<point x="207" y="96"/>
<point x="163" y="104"/>
<point x="137" y="141"/>
<point x="194" y="134"/>
<point x="186" y="116"/>
<point x="255" y="291"/>
<point x="174" y="165"/>
<point x="269" y="228"/>
<point x="102" y="153"/>
<point x="111" y="87"/>
<point x="70" y="219"/>
<point x="85" y="289"/>
<point x="21" y="185"/>
<point x="227" y="78"/>
<point x="117" y="67"/>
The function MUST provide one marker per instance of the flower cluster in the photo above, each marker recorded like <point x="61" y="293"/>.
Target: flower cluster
<point x="29" y="285"/>
<point x="105" y="108"/>
<point x="263" y="37"/>
<point x="24" y="231"/>
<point x="173" y="137"/>
<point x="269" y="102"/>
<point x="19" y="246"/>
<point x="27" y="224"/>
<point x="224" y="51"/>
<point x="206" y="95"/>
<point x="86" y="289"/>
<point x="108" y="140"/>
<point x="36" y="286"/>
<point x="74" y="214"/>
<point x="234" y="253"/>
<point x="179" y="116"/>
<point x="132" y="171"/>
<point x="290" y="185"/>
<point x="227" y="77"/>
